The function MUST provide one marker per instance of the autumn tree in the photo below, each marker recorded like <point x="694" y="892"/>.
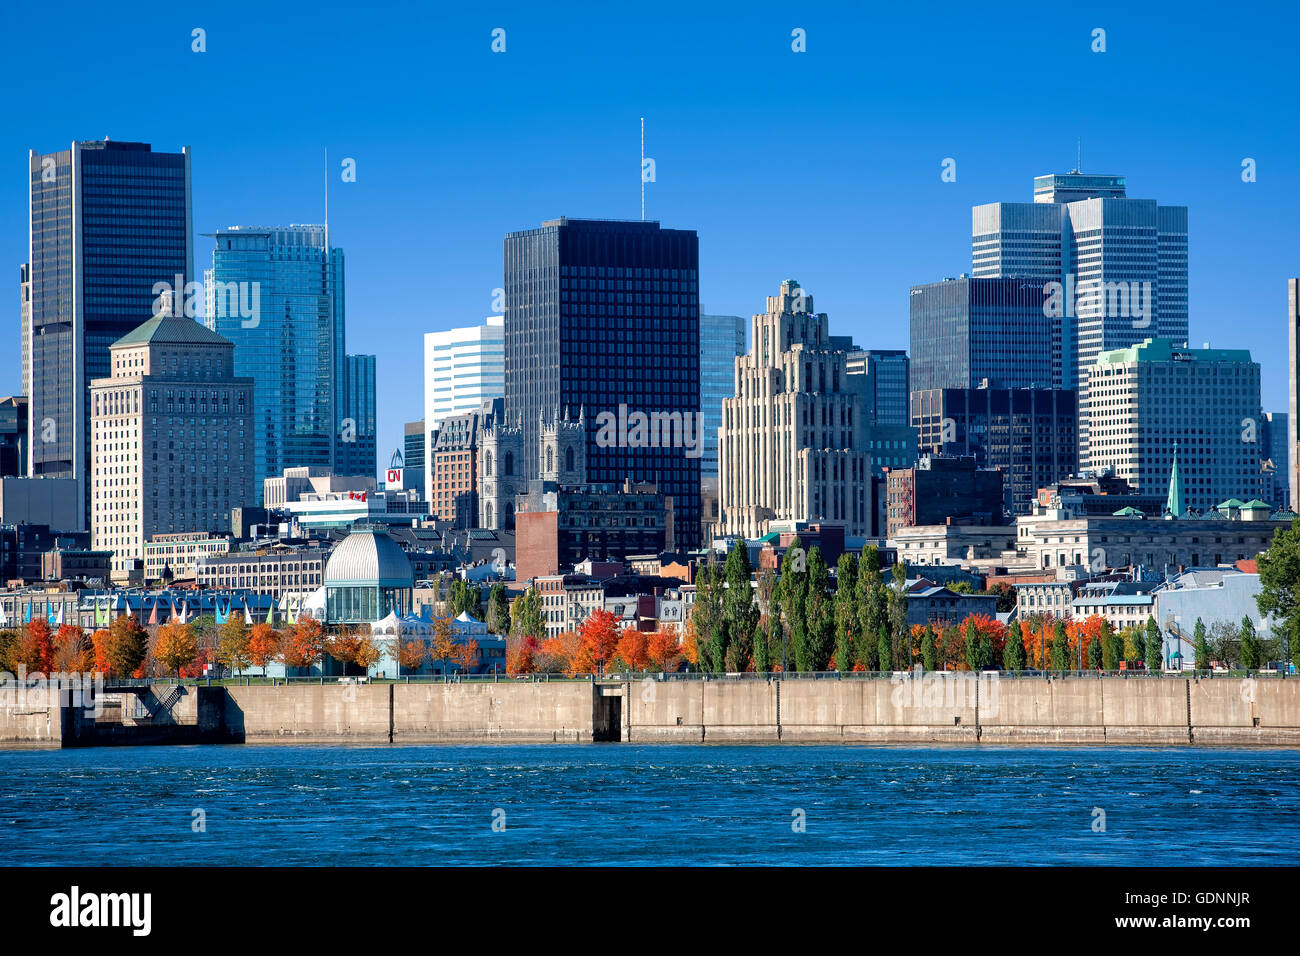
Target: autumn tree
<point x="127" y="645"/>
<point x="465" y="655"/>
<point x="411" y="654"/>
<point x="9" y="644"/>
<point x="662" y="649"/>
<point x="233" y="636"/>
<point x="263" y="645"/>
<point x="72" y="651"/>
<point x="440" y="649"/>
<point x="343" y="647"/>
<point x="38" y="646"/>
<point x="599" y="634"/>
<point x="175" y="645"/>
<point x="367" y="654"/>
<point x="99" y="642"/>
<point x="521" y="654"/>
<point x="633" y="649"/>
<point x="304" y="644"/>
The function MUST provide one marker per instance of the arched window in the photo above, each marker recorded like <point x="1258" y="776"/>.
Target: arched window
<point x="550" y="459"/>
<point x="488" y="514"/>
<point x="487" y="463"/>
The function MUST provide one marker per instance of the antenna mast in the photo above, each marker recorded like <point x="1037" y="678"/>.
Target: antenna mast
<point x="327" y="200"/>
<point x="643" y="169"/>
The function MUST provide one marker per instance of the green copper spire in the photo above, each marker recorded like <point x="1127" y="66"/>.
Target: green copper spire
<point x="1174" y="504"/>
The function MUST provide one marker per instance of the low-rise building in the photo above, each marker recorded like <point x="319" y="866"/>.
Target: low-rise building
<point x="174" y="556"/>
<point x="937" y="489"/>
<point x="274" y="570"/>
<point x="952" y="543"/>
<point x="1122" y="603"/>
<point x="933" y="604"/>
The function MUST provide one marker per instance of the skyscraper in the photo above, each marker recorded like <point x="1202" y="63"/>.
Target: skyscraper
<point x="172" y="448"/>
<point x="357" y="436"/>
<point x="964" y="331"/>
<point x="722" y="338"/>
<point x="602" y="319"/>
<point x="796" y="442"/>
<point x="463" y="368"/>
<point x="1117" y="267"/>
<point x="109" y="221"/>
<point x="887" y="373"/>
<point x="1156" y="395"/>
<point x="277" y="292"/>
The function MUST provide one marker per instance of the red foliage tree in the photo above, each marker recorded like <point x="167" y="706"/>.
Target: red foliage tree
<point x="600" y="636"/>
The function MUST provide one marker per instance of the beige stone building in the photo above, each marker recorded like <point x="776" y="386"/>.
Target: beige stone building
<point x="171" y="438"/>
<point x="796" y="442"/>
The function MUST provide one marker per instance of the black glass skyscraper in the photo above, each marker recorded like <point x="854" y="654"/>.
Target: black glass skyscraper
<point x="109" y="220"/>
<point x="602" y="314"/>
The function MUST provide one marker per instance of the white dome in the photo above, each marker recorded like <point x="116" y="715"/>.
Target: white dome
<point x="368" y="556"/>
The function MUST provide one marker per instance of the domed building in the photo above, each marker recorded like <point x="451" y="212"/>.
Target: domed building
<point x="367" y="577"/>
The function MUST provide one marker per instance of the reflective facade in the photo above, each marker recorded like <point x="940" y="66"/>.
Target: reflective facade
<point x="602" y="314"/>
<point x="357" y="437"/>
<point x="722" y="338"/>
<point x="887" y="375"/>
<point x="109" y="220"/>
<point x="964" y="331"/>
<point x="293" y="347"/>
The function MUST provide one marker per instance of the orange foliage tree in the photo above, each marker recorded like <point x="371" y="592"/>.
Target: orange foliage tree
<point x="465" y="655"/>
<point x="521" y="654"/>
<point x="411" y="654"/>
<point x="304" y="644"/>
<point x="633" y="649"/>
<point x="691" y="646"/>
<point x="263" y="645"/>
<point x="72" y="651"/>
<point x="569" y="650"/>
<point x="663" y="650"/>
<point x="600" y="636"/>
<point x="99" y="646"/>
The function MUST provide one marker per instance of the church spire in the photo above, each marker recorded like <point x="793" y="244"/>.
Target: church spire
<point x="1174" y="503"/>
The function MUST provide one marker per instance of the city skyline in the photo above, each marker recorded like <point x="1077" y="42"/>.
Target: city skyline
<point x="582" y="150"/>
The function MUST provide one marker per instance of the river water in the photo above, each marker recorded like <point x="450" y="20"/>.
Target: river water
<point x="625" y="804"/>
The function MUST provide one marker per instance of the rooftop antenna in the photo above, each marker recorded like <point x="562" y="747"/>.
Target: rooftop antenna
<point x="1078" y="166"/>
<point x="643" y="169"/>
<point x="327" y="199"/>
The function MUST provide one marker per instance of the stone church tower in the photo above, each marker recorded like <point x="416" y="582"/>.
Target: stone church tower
<point x="562" y="455"/>
<point x="500" y="475"/>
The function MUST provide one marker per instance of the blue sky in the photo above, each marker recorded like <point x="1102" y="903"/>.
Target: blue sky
<point x="823" y="166"/>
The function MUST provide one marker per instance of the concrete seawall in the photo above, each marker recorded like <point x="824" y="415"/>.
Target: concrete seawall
<point x="934" y="708"/>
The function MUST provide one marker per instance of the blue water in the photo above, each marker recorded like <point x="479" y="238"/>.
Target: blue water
<point x="626" y="804"/>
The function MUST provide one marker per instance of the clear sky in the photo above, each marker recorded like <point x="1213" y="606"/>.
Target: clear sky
<point x="823" y="166"/>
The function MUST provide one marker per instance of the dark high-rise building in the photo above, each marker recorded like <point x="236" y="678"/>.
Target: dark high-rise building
<point x="413" y="455"/>
<point x="943" y="491"/>
<point x="109" y="221"/>
<point x="1029" y="434"/>
<point x="357" y="445"/>
<point x="886" y="372"/>
<point x="602" y="318"/>
<point x="964" y="331"/>
<point x="13" y="436"/>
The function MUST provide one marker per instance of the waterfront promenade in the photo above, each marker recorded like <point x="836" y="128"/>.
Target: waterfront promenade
<point x="945" y="707"/>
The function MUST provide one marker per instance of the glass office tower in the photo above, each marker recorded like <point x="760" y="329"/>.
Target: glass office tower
<point x="108" y="220"/>
<point x="722" y="338"/>
<point x="277" y="293"/>
<point x="357" y="450"/>
<point x="602" y="314"/>
<point x="964" y="331"/>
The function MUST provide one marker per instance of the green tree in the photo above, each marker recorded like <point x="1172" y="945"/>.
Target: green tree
<point x="929" y="654"/>
<point x="884" y="649"/>
<point x="739" y="610"/>
<point x="1202" y="646"/>
<point x="707" y="617"/>
<point x="1250" y="656"/>
<point x="1060" y="648"/>
<point x="1279" y="579"/>
<point x="1095" y="654"/>
<point x="819" y="613"/>
<point x="846" y="611"/>
<point x="871" y="603"/>
<point x="1013" y="654"/>
<point x="793" y="589"/>
<point x="896" y="604"/>
<point x="1110" y="649"/>
<point x="1152" y="646"/>
<point x="762" y="655"/>
<point x="986" y="652"/>
<point x="767" y="637"/>
<point x="971" y="637"/>
<point x="962" y="587"/>
<point x="498" y="610"/>
<point x="526" y="619"/>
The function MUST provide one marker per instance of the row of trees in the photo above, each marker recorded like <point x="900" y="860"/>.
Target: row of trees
<point x="125" y="649"/>
<point x="598" y="645"/>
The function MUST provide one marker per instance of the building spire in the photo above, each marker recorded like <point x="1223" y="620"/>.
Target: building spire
<point x="1174" y="504"/>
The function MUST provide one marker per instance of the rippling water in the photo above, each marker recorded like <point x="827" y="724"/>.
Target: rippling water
<point x="627" y="804"/>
